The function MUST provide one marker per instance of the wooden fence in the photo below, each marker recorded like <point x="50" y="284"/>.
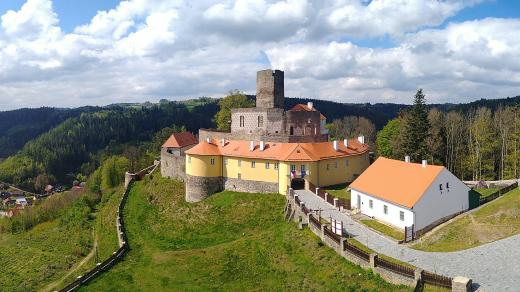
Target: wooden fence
<point x="436" y="280"/>
<point x="332" y="235"/>
<point x="356" y="251"/>
<point x="394" y="267"/>
<point x="498" y="193"/>
<point x="314" y="221"/>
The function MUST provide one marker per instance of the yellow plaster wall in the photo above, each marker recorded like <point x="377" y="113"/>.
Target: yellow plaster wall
<point x="200" y="165"/>
<point x="258" y="173"/>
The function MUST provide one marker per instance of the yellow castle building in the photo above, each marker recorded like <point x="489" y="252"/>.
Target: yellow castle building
<point x="267" y="150"/>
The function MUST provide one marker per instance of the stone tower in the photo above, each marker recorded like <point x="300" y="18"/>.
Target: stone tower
<point x="269" y="89"/>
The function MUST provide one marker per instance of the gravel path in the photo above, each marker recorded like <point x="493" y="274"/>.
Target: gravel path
<point x="492" y="267"/>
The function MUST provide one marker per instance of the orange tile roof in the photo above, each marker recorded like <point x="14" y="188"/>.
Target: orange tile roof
<point x="181" y="139"/>
<point x="279" y="151"/>
<point x="303" y="107"/>
<point x="396" y="181"/>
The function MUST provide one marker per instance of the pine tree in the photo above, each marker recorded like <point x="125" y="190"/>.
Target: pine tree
<point x="416" y="128"/>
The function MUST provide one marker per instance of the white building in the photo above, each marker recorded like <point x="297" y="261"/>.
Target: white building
<point x="403" y="194"/>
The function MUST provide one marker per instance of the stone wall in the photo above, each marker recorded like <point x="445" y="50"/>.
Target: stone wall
<point x="173" y="166"/>
<point x="270" y="89"/>
<point x="249" y="186"/>
<point x="198" y="188"/>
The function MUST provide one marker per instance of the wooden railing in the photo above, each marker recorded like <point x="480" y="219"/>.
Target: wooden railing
<point x="436" y="280"/>
<point x="314" y="221"/>
<point x="336" y="238"/>
<point x="396" y="268"/>
<point x="356" y="251"/>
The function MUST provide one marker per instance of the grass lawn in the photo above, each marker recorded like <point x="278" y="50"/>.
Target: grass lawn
<point x="230" y="241"/>
<point x="338" y="191"/>
<point x="493" y="221"/>
<point x="385" y="229"/>
<point x="484" y="192"/>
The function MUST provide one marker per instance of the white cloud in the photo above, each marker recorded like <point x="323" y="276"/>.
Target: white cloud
<point x="150" y="49"/>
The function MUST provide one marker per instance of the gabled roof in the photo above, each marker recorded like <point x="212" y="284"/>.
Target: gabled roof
<point x="279" y="151"/>
<point x="396" y="181"/>
<point x="178" y="140"/>
<point x="303" y="107"/>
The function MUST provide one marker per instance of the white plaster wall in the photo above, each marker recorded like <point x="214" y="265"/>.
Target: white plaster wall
<point x="377" y="211"/>
<point x="434" y="204"/>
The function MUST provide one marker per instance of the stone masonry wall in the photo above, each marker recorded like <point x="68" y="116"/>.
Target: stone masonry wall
<point x="270" y="89"/>
<point x="198" y="188"/>
<point x="249" y="186"/>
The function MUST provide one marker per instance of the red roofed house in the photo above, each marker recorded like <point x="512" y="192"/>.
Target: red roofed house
<point x="173" y="161"/>
<point x="402" y="194"/>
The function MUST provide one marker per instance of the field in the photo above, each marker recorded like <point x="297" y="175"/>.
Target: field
<point x="36" y="257"/>
<point x="493" y="221"/>
<point x="231" y="241"/>
<point x="339" y="191"/>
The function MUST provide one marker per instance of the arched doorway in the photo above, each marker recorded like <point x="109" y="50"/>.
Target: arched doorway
<point x="297" y="183"/>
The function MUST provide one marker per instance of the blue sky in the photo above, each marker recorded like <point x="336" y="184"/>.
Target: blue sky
<point x="53" y="53"/>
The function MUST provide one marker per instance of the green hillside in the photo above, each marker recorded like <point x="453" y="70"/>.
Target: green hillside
<point x="231" y="241"/>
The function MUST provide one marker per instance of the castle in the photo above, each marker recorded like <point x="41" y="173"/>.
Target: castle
<point x="267" y="150"/>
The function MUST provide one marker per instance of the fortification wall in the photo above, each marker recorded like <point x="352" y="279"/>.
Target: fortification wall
<point x="173" y="166"/>
<point x="198" y="188"/>
<point x="249" y="186"/>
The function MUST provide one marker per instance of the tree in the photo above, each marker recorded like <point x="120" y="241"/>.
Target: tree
<point x="235" y="99"/>
<point x="436" y="139"/>
<point x="416" y="129"/>
<point x="387" y="139"/>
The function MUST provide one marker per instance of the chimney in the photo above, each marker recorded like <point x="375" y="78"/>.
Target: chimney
<point x="361" y="139"/>
<point x="310" y="105"/>
<point x="223" y="142"/>
<point x="252" y="146"/>
<point x="424" y="163"/>
<point x="407" y="159"/>
<point x="208" y="139"/>
<point x="335" y="145"/>
<point x="262" y="146"/>
<point x="345" y="142"/>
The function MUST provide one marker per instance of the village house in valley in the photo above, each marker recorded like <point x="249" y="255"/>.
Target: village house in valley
<point x="405" y="194"/>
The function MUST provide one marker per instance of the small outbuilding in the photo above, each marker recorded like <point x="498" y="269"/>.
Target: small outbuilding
<point x="409" y="195"/>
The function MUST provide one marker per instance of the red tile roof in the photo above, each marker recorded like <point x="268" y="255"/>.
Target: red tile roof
<point x="303" y="107"/>
<point x="396" y="181"/>
<point x="178" y="140"/>
<point x="279" y="151"/>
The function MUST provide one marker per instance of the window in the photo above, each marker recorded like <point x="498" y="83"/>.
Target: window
<point x="260" y="121"/>
<point x="239" y="162"/>
<point x="189" y="159"/>
<point x="241" y="121"/>
<point x="370" y="204"/>
<point x="212" y="161"/>
<point x="267" y="165"/>
<point x="302" y="168"/>
<point x="276" y="165"/>
<point x="293" y="167"/>
<point x="401" y="215"/>
<point x="239" y="176"/>
<point x="225" y="161"/>
<point x="253" y="164"/>
<point x="385" y="209"/>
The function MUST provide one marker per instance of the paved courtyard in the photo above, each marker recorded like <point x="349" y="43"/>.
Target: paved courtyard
<point x="493" y="267"/>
